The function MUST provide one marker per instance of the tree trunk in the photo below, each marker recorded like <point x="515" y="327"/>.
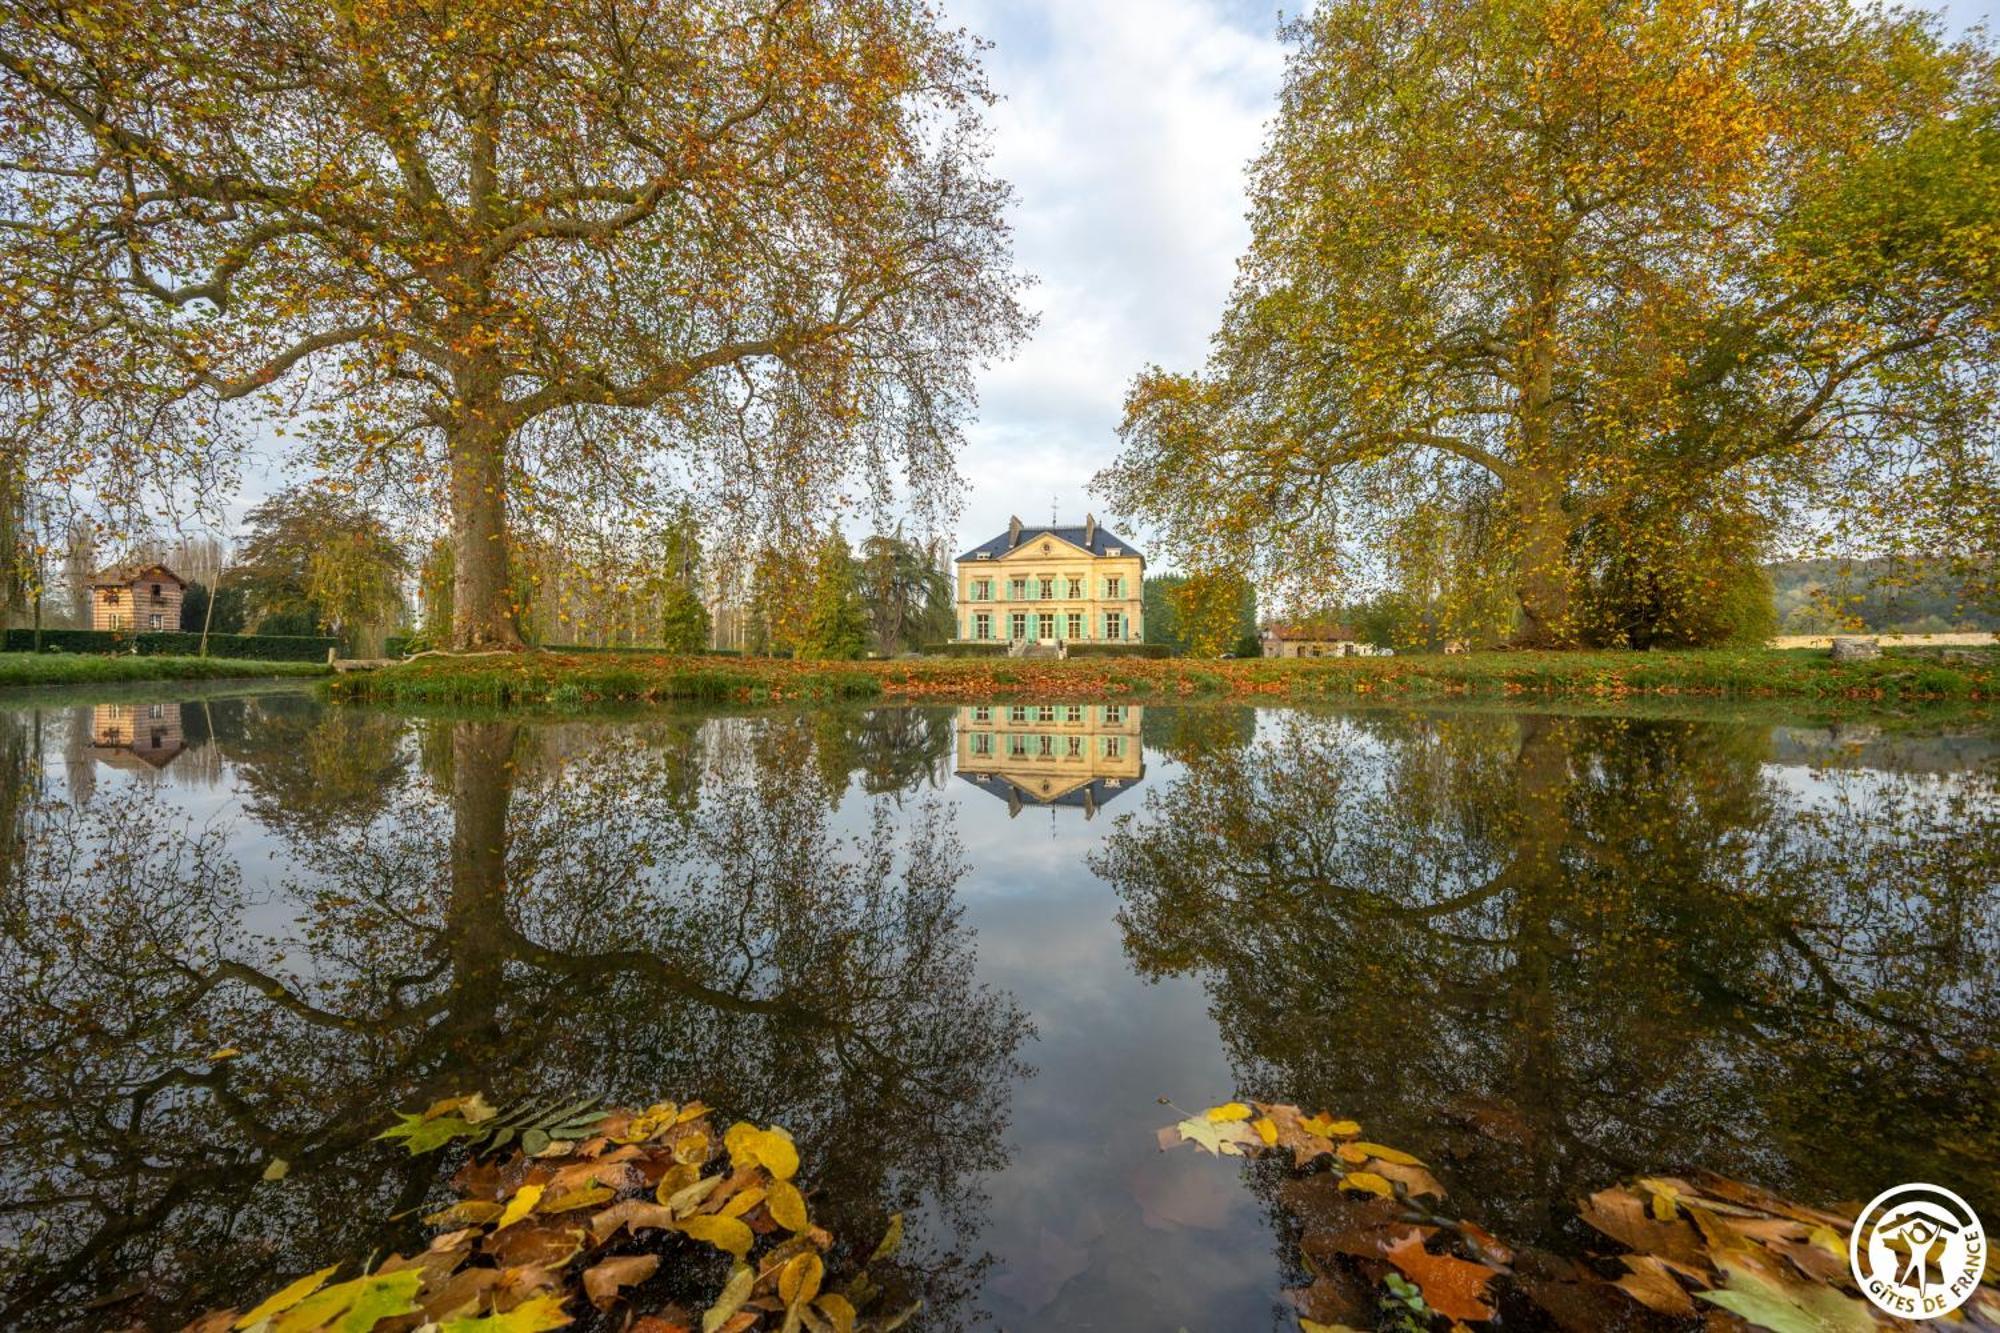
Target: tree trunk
<point x="482" y="602"/>
<point x="1544" y="579"/>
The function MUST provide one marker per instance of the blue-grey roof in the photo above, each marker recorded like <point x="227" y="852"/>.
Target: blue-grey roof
<point x="1099" y="790"/>
<point x="1105" y="538"/>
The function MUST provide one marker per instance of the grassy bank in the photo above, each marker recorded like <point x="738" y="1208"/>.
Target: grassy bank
<point x="577" y="680"/>
<point x="83" y="669"/>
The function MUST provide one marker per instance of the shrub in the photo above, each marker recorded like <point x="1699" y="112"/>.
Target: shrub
<point x="1120" y="650"/>
<point x="965" y="650"/>
<point x="174" y="643"/>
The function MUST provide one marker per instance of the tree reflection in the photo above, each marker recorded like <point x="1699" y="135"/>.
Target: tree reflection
<point x="1547" y="951"/>
<point x="632" y="912"/>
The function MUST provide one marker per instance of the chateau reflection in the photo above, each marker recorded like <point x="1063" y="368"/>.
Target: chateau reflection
<point x="650" y="909"/>
<point x="1544" y="952"/>
<point x="1077" y="755"/>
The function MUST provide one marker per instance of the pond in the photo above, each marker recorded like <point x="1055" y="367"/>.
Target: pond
<point x="962" y="954"/>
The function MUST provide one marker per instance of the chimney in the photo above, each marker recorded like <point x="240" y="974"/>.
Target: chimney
<point x="1013" y="532"/>
<point x="1089" y="529"/>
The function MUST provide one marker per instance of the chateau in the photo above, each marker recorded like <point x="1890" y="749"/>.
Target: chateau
<point x="1051" y="585"/>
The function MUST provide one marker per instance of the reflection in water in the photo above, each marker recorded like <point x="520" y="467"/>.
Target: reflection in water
<point x="1544" y="952"/>
<point x="1079" y="755"/>
<point x="631" y="911"/>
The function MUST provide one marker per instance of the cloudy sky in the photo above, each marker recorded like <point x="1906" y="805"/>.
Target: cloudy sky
<point x="1125" y="130"/>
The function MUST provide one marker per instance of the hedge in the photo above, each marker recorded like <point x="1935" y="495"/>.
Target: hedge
<point x="402" y="645"/>
<point x="175" y="643"/>
<point x="1084" y="649"/>
<point x="965" y="650"/>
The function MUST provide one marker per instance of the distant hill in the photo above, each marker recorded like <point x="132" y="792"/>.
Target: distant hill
<point x="1885" y="595"/>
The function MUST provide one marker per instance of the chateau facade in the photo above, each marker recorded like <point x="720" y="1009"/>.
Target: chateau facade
<point x="1052" y="585"/>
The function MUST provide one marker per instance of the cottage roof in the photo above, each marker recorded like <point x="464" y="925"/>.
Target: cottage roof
<point x="124" y="576"/>
<point x="1100" y="541"/>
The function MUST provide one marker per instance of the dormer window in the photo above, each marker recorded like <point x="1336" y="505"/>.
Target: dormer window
<point x="1114" y="550"/>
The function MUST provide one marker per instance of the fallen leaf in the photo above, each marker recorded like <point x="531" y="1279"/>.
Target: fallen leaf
<point x="286" y="1297"/>
<point x="1621" y="1215"/>
<point x="1415" y="1180"/>
<point x="742" y="1279"/>
<point x="1455" y="1288"/>
<point x="1764" y="1296"/>
<point x="838" y="1310"/>
<point x="359" y="1303"/>
<point x="277" y="1169"/>
<point x="724" y="1233"/>
<point x="602" y="1280"/>
<point x="799" y="1280"/>
<point x="543" y="1312"/>
<point x="1369" y="1181"/>
<point x="787" y="1205"/>
<point x="1223" y="1138"/>
<point x="519" y="1206"/>
<point x="1649" y="1282"/>
<point x="1227" y="1113"/>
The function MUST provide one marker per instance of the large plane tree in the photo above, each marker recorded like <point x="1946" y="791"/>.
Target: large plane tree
<point x="1611" y="276"/>
<point x="505" y="253"/>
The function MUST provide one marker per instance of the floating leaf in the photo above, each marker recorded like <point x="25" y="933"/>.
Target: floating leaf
<point x="742" y="1279"/>
<point x="277" y="1169"/>
<point x="771" y="1149"/>
<point x="1369" y="1181"/>
<point x="1455" y="1288"/>
<point x="799" y="1280"/>
<point x="838" y="1310"/>
<point x="286" y="1297"/>
<point x="1328" y="1128"/>
<point x="787" y="1205"/>
<point x="892" y="1240"/>
<point x="602" y="1280"/>
<point x="519" y="1206"/>
<point x="1768" y="1299"/>
<point x="531" y="1316"/>
<point x="724" y="1233"/>
<point x="354" y="1306"/>
<point x="1227" y="1112"/>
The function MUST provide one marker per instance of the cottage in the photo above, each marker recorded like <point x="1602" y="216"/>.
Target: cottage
<point x="140" y="737"/>
<point x="1312" y="639"/>
<point x="137" y="598"/>
<point x="1052" y="585"/>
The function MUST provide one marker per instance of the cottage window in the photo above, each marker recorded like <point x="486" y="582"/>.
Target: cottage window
<point x="153" y="621"/>
<point x="111" y="597"/>
<point x="156" y="590"/>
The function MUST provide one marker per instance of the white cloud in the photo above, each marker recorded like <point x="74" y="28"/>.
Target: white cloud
<point x="1125" y="131"/>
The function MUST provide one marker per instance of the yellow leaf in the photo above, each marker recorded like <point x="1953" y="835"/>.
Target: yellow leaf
<point x="1369" y="1181"/>
<point x="742" y="1202"/>
<point x="788" y="1206"/>
<point x="724" y="1233"/>
<point x="838" y="1310"/>
<point x="587" y="1197"/>
<point x="1267" y="1130"/>
<point x="677" y="1179"/>
<point x="799" y="1280"/>
<point x="771" y="1149"/>
<point x="534" y="1316"/>
<point x="519" y="1206"/>
<point x="1227" y="1112"/>
<point x="1367" y="1150"/>
<point x="736" y="1291"/>
<point x="286" y="1297"/>
<point x="1328" y="1128"/>
<point x="466" y="1212"/>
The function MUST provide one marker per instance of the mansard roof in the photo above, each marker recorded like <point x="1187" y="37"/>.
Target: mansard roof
<point x="1100" y="543"/>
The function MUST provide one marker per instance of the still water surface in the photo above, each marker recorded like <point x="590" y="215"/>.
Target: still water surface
<point x="961" y="954"/>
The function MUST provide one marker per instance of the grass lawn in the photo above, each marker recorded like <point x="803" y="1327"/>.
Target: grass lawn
<point x="85" y="668"/>
<point x="576" y="680"/>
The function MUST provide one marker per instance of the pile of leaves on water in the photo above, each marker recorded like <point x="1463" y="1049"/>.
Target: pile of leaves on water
<point x="1384" y="1252"/>
<point x="572" y="1215"/>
